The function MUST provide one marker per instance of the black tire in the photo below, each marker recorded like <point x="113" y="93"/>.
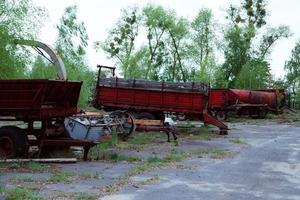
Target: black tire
<point x="144" y="115"/>
<point x="13" y="142"/>
<point x="262" y="113"/>
<point x="221" y="115"/>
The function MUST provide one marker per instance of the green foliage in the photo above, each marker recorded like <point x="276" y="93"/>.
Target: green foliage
<point x="71" y="45"/>
<point x="292" y="66"/>
<point x="253" y="75"/>
<point x="42" y="70"/>
<point x="18" y="20"/>
<point x="202" y="47"/>
<point x="237" y="52"/>
<point x="156" y="21"/>
<point x="245" y="64"/>
<point x="120" y="43"/>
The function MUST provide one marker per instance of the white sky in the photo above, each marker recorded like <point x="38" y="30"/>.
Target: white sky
<point x="99" y="16"/>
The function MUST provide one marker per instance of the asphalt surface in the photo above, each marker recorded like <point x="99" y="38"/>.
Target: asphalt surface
<point x="265" y="165"/>
<point x="267" y="168"/>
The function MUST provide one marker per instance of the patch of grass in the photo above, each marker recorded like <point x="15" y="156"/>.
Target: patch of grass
<point x="62" y="176"/>
<point x="237" y="140"/>
<point x="219" y="154"/>
<point x="114" y="138"/>
<point x="139" y="168"/>
<point x="122" y="145"/>
<point x="24" y="192"/>
<point x="155" y="161"/>
<point x="36" y="166"/>
<point x="4" y="166"/>
<point x="200" y="133"/>
<point x="2" y="189"/>
<point x="140" y="139"/>
<point x="113" y="156"/>
<point x="104" y="145"/>
<point x="23" y="178"/>
<point x="86" y="196"/>
<point x="90" y="175"/>
<point x="176" y="157"/>
<point x="24" y="166"/>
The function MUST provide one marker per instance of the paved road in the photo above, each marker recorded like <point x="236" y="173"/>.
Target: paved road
<point x="267" y="168"/>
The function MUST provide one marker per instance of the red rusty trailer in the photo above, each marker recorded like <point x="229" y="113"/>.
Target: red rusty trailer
<point x="41" y="106"/>
<point x="245" y="102"/>
<point x="156" y="98"/>
<point x="42" y="102"/>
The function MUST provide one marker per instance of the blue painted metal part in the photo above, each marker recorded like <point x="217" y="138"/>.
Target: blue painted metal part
<point x="85" y="129"/>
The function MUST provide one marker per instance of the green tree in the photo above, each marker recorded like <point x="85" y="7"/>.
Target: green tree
<point x="42" y="69"/>
<point x="120" y="43"/>
<point x="202" y="48"/>
<point x="18" y="20"/>
<point x="240" y="47"/>
<point x="71" y="46"/>
<point x="254" y="75"/>
<point x="155" y="20"/>
<point x="292" y="66"/>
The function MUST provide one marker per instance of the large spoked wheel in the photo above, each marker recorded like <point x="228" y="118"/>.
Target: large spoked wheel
<point x="13" y="143"/>
<point x="126" y="124"/>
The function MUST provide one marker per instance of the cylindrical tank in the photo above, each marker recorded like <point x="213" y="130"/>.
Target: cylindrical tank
<point x="253" y="97"/>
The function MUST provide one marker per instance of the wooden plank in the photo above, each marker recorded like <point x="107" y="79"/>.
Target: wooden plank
<point x="42" y="160"/>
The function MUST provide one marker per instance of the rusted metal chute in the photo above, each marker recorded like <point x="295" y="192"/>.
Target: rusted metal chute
<point x="54" y="58"/>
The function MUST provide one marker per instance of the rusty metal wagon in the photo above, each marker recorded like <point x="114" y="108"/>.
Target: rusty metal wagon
<point x="45" y="107"/>
<point x="151" y="99"/>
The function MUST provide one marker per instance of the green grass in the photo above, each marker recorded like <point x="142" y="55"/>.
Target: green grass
<point x="2" y="189"/>
<point x="219" y="154"/>
<point x="62" y="176"/>
<point x="23" y="193"/>
<point x="36" y="166"/>
<point x="86" y="196"/>
<point x="90" y="175"/>
<point x="28" y="166"/>
<point x="237" y="140"/>
<point x="199" y="133"/>
<point x="143" y="138"/>
<point x="112" y="156"/>
<point x="23" y="178"/>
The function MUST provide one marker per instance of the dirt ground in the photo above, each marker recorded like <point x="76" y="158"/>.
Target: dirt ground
<point x="259" y="159"/>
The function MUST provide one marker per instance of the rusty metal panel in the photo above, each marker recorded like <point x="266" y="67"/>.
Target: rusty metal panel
<point x="38" y="99"/>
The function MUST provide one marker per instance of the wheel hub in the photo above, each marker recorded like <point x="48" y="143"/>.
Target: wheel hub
<point x="6" y="146"/>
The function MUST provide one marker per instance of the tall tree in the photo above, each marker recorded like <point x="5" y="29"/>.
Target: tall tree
<point x="71" y="45"/>
<point x="155" y="20"/>
<point x="202" y="48"/>
<point x="292" y="66"/>
<point x="18" y="20"/>
<point x="120" y="43"/>
<point x="240" y="48"/>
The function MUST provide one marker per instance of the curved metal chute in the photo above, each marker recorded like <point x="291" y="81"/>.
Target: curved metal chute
<point x="54" y="57"/>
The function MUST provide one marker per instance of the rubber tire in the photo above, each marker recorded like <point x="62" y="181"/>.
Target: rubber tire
<point x="19" y="139"/>
<point x="262" y="114"/>
<point x="221" y="115"/>
<point x="144" y="115"/>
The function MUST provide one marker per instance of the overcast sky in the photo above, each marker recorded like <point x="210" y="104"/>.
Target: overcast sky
<point x="100" y="16"/>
